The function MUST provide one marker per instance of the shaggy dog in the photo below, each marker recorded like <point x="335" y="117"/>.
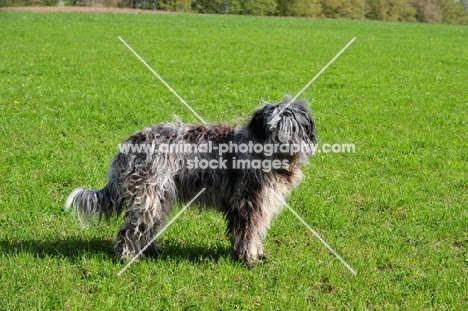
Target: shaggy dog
<point x="238" y="168"/>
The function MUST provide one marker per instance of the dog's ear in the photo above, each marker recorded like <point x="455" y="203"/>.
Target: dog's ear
<point x="302" y="115"/>
<point x="257" y="124"/>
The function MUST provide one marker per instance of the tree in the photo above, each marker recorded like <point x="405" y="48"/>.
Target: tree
<point x="232" y="6"/>
<point x="454" y="12"/>
<point x="209" y="6"/>
<point x="336" y="8"/>
<point x="174" y="5"/>
<point x="357" y="9"/>
<point x="391" y="10"/>
<point x="310" y="8"/>
<point x="429" y="11"/>
<point x="258" y="7"/>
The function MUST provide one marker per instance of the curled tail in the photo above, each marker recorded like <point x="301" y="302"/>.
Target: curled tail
<point x="93" y="204"/>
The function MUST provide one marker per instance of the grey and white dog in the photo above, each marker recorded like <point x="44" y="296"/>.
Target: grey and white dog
<point x="146" y="185"/>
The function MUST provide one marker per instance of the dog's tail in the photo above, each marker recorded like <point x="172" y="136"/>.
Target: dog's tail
<point x="93" y="204"/>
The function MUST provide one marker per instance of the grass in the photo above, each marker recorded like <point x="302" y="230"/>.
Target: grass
<point x="396" y="210"/>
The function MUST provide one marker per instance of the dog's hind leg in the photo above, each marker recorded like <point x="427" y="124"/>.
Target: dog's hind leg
<point x="144" y="216"/>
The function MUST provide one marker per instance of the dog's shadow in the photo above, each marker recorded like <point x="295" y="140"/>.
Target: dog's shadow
<point x="75" y="249"/>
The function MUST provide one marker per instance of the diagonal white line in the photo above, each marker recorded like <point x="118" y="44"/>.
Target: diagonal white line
<point x="315" y="233"/>
<point x="159" y="233"/>
<point x="162" y="80"/>
<point x="311" y="81"/>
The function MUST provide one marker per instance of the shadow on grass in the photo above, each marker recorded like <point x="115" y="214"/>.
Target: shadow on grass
<point x="76" y="248"/>
<point x="72" y="248"/>
<point x="177" y="250"/>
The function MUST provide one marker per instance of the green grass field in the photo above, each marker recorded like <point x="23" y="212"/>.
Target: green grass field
<point x="395" y="210"/>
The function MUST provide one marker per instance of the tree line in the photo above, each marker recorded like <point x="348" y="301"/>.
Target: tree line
<point x="428" y="11"/>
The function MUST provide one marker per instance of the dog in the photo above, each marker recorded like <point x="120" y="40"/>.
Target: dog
<point x="238" y="167"/>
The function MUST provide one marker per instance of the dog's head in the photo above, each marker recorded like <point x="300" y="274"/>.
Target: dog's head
<point x="283" y="123"/>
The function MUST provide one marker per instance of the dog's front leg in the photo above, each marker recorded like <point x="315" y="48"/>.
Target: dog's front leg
<point x="247" y="227"/>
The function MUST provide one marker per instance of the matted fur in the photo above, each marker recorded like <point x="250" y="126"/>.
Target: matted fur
<point x="146" y="186"/>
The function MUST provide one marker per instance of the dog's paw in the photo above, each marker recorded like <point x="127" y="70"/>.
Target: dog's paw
<point x="250" y="260"/>
<point x="124" y="254"/>
<point x="263" y="258"/>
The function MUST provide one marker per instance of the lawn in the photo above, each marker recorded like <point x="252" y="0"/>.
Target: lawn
<point x="395" y="210"/>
